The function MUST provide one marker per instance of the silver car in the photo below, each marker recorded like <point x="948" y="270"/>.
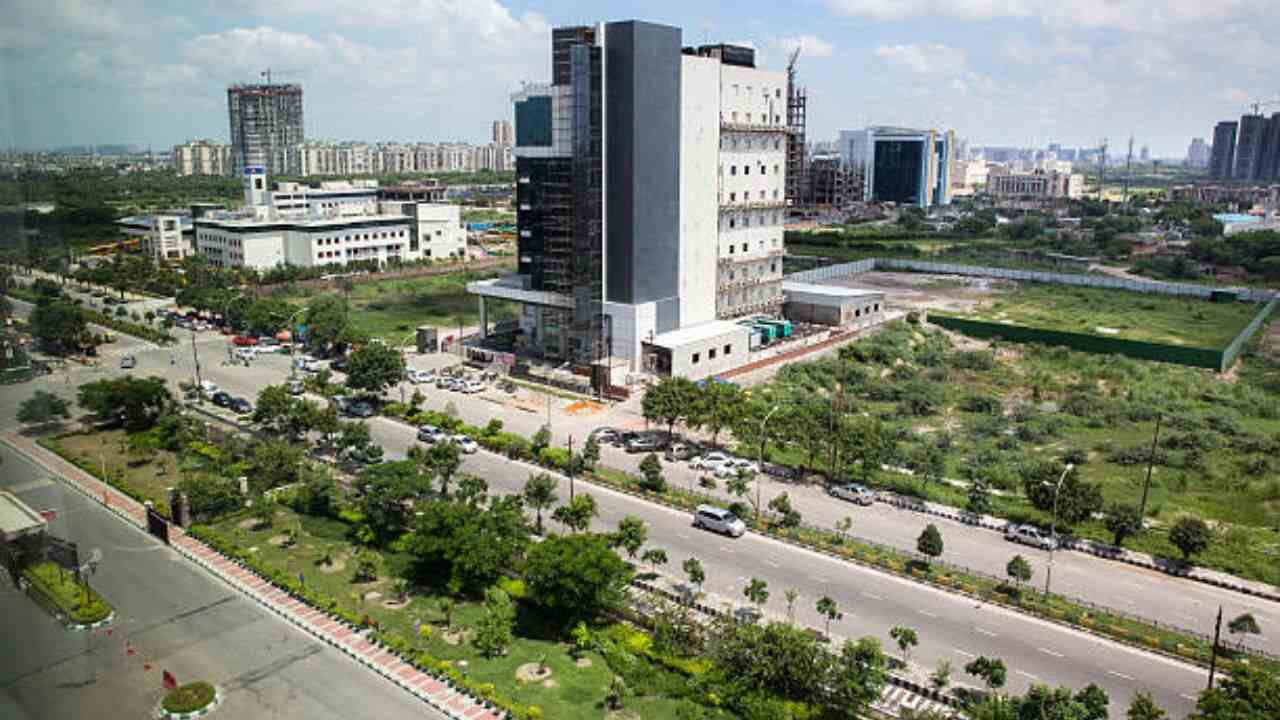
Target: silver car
<point x="1030" y="535"/>
<point x="853" y="492"/>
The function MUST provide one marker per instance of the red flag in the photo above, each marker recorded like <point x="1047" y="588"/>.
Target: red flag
<point x="49" y="515"/>
<point x="170" y="682"/>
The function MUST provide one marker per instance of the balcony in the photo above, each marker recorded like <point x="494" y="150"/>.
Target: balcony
<point x="731" y="126"/>
<point x="753" y="205"/>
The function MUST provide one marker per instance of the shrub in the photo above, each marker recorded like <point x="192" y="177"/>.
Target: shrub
<point x="189" y="698"/>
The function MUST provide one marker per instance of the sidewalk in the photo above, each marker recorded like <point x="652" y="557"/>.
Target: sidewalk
<point x="316" y="623"/>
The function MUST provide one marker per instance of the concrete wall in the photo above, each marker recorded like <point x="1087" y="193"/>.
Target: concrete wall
<point x="682" y="358"/>
<point x="631" y="326"/>
<point x="699" y="155"/>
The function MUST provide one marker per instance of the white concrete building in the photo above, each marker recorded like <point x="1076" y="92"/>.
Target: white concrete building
<point x="1037" y="184"/>
<point x="202" y="157"/>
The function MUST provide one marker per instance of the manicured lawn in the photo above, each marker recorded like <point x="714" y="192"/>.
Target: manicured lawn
<point x="143" y="475"/>
<point x="80" y="603"/>
<point x="1119" y="313"/>
<point x="392" y="308"/>
<point x="189" y="698"/>
<point x="574" y="692"/>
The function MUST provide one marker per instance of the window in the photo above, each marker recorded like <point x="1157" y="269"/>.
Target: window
<point x="746" y="169"/>
<point x="733" y="197"/>
<point x="746" y="221"/>
<point x="730" y="249"/>
<point x="728" y="349"/>
<point x="744" y="247"/>
<point x="776" y="93"/>
<point x="731" y="221"/>
<point x="695" y="358"/>
<point x="733" y="169"/>
<point x="773" y="267"/>
<point x="711" y="354"/>
<point x="775" y="169"/>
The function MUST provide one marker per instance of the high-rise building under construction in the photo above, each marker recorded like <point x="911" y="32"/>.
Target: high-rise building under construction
<point x="266" y="120"/>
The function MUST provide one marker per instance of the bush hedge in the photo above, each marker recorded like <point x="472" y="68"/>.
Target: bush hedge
<point x="189" y="698"/>
<point x="80" y="603"/>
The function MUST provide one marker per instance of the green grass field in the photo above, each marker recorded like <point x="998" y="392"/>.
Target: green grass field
<point x="1119" y="313"/>
<point x="144" y="475"/>
<point x="391" y="309"/>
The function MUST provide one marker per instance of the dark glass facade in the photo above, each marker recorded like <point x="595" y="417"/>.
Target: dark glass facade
<point x="533" y="122"/>
<point x="899" y="165"/>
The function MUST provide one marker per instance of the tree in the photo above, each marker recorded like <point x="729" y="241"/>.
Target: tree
<point x="366" y="568"/>
<point x="590" y="455"/>
<point x="209" y="495"/>
<point x="471" y="549"/>
<point x="577" y="513"/>
<point x="781" y="504"/>
<point x="651" y="469"/>
<point x="1143" y="707"/>
<point x="135" y="402"/>
<point x="472" y="490"/>
<point x="58" y="326"/>
<point x="931" y="465"/>
<point x="929" y="543"/>
<point x="739" y="485"/>
<point x="856" y="679"/>
<point x="273" y="463"/>
<point x="326" y="321"/>
<point x="354" y="435"/>
<point x="791" y="595"/>
<point x="494" y="632"/>
<point x="541" y="439"/>
<point x="842" y="528"/>
<point x="443" y="460"/>
<point x="671" y="400"/>
<point x="617" y="690"/>
<point x="272" y="410"/>
<point x="655" y="557"/>
<point x="43" y="407"/>
<point x="1247" y="693"/>
<point x="1095" y="702"/>
<point x="1123" y="521"/>
<point x="906" y="638"/>
<point x="991" y="671"/>
<point x="719" y="405"/>
<point x="941" y="676"/>
<point x="979" y="500"/>
<point x="1076" y="501"/>
<point x="540" y="494"/>
<point x="317" y="496"/>
<point x="693" y="569"/>
<point x="374" y="368"/>
<point x="829" y="611"/>
<point x="1190" y="535"/>
<point x="386" y="488"/>
<point x="576" y="577"/>
<point x="1018" y="570"/>
<point x="757" y="592"/>
<point x="1244" y="624"/>
<point x="630" y="535"/>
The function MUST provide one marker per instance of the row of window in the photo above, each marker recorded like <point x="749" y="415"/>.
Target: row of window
<point x="762" y="220"/>
<point x="737" y="90"/>
<point x="747" y="118"/>
<point x="731" y="142"/>
<point x="773" y="268"/>
<point x="711" y="354"/>
<point x="759" y="246"/>
<point x="761" y="196"/>
<point x="361" y="236"/>
<point x="746" y="169"/>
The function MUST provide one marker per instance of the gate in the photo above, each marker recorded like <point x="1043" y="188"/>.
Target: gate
<point x="157" y="525"/>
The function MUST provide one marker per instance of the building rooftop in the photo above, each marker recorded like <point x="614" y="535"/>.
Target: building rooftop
<point x="143" y="222"/>
<point x="695" y="333"/>
<point x="17" y="518"/>
<point x="272" y="221"/>
<point x="838" y="291"/>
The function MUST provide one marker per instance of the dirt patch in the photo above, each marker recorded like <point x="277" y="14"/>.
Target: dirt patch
<point x="621" y="715"/>
<point x="456" y="637"/>
<point x="250" y="524"/>
<point x="583" y="406"/>
<point x="393" y="604"/>
<point x="583" y="662"/>
<point x="332" y="568"/>
<point x="279" y="540"/>
<point x="533" y="672"/>
<point x="549" y="683"/>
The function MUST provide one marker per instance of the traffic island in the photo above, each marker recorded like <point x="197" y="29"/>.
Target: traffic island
<point x="189" y="701"/>
<point x="72" y="602"/>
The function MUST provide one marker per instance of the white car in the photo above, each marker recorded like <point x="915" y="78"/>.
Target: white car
<point x="420" y="377"/>
<point x="853" y="492"/>
<point x="471" y="387"/>
<point x="733" y="466"/>
<point x="208" y="387"/>
<point x="711" y="461"/>
<point x="1029" y="535"/>
<point x="465" y="444"/>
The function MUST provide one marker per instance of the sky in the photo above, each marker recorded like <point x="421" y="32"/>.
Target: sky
<point x="998" y="72"/>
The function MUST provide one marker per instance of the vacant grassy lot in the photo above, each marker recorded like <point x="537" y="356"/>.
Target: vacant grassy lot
<point x="996" y="411"/>
<point x="145" y="474"/>
<point x="574" y="691"/>
<point x="391" y="308"/>
<point x="1119" y="313"/>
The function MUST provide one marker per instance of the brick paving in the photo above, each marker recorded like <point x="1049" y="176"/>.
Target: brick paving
<point x="428" y="688"/>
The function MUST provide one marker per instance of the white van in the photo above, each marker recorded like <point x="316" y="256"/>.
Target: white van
<point x="718" y="520"/>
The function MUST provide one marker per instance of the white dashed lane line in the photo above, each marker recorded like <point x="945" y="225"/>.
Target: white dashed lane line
<point x="1049" y="652"/>
<point x="1120" y="675"/>
<point x="873" y="596"/>
<point x="964" y="653"/>
<point x="985" y="631"/>
<point x="927" y="614"/>
<point x="1028" y="675"/>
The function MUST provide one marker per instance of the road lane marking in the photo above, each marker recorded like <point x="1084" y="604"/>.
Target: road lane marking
<point x="1120" y="675"/>
<point x="1047" y="651"/>
<point x="1185" y="696"/>
<point x="771" y="564"/>
<point x="873" y="596"/>
<point x="820" y="579"/>
<point x="1026" y="674"/>
<point x="927" y="614"/>
<point x="962" y="652"/>
<point x="682" y="536"/>
<point x="985" y="631"/>
<point x="30" y="485"/>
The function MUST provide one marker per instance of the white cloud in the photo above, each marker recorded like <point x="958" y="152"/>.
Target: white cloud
<point x="1144" y="16"/>
<point x="924" y="59"/>
<point x="810" y="45"/>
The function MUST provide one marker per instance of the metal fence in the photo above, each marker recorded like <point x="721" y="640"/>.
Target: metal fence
<point x="1232" y="350"/>
<point x="1099" y="281"/>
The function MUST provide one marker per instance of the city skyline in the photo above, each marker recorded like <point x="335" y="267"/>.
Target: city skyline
<point x="1026" y="74"/>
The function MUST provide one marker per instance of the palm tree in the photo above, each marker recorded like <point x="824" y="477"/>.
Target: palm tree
<point x="540" y="494"/>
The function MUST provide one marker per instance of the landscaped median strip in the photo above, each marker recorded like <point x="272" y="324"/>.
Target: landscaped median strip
<point x="440" y="693"/>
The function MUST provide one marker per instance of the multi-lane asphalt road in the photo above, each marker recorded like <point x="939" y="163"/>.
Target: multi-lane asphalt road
<point x="951" y="627"/>
<point x="175" y="617"/>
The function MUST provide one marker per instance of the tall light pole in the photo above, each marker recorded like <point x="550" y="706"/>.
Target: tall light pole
<point x="293" y="342"/>
<point x="763" y="439"/>
<point x="1053" y="529"/>
<point x="403" y="344"/>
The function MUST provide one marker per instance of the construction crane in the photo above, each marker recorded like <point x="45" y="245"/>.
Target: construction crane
<point x="1102" y="166"/>
<point x="266" y="74"/>
<point x="1257" y="105"/>
<point x="1128" y="171"/>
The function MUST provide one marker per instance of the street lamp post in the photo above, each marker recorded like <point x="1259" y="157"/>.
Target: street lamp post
<point x="404" y="342"/>
<point x="763" y="439"/>
<point x="293" y="342"/>
<point x="1053" y="529"/>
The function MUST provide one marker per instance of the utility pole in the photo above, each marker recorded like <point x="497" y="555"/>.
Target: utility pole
<point x="571" y="468"/>
<point x="196" y="357"/>
<point x="1128" y="172"/>
<point x="1213" y="656"/>
<point x="1151" y="460"/>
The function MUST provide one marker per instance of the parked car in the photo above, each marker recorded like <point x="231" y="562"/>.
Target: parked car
<point x="246" y="353"/>
<point x="605" y="435"/>
<point x="431" y="434"/>
<point x="1029" y="535"/>
<point x="420" y="377"/>
<point x="222" y="398"/>
<point x="367" y="455"/>
<point x="710" y="517"/>
<point x="240" y="406"/>
<point x="681" y="451"/>
<point x="267" y="341"/>
<point x="472" y="387"/>
<point x="444" y="382"/>
<point x="296" y="387"/>
<point x="853" y="492"/>
<point x="208" y="387"/>
<point x="711" y="461"/>
<point x="307" y="365"/>
<point x="340" y="403"/>
<point x="128" y="362"/>
<point x="644" y="443"/>
<point x="244" y="341"/>
<point x="339" y="364"/>
<point x="733" y="466"/>
<point x="465" y="444"/>
<point x="359" y="409"/>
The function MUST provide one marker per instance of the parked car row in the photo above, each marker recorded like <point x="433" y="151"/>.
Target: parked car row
<point x="352" y="408"/>
<point x="238" y="405"/>
<point x="431" y="435"/>
<point x="444" y="382"/>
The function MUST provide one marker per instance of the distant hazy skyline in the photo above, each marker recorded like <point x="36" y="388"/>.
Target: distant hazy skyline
<point x="1015" y="72"/>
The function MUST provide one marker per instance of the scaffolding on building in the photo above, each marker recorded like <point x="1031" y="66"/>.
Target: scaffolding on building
<point x="797" y="170"/>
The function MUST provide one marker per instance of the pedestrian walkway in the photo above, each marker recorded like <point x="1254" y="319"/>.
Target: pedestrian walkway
<point x="316" y="623"/>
